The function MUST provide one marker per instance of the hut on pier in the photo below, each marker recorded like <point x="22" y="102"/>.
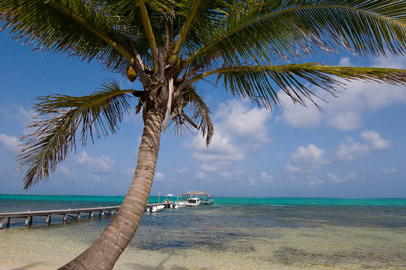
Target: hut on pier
<point x="205" y="197"/>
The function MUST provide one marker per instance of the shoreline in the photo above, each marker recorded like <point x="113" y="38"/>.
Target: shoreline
<point x="223" y="236"/>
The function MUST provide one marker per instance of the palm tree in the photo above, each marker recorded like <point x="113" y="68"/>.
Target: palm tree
<point x="169" y="46"/>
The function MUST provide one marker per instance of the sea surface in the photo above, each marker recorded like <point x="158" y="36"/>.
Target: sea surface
<point x="233" y="233"/>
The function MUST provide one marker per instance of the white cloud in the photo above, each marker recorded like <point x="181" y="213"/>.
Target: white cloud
<point x="374" y="140"/>
<point x="345" y="61"/>
<point x="239" y="130"/>
<point x="97" y="165"/>
<point x="247" y="123"/>
<point x="339" y="180"/>
<point x="63" y="169"/>
<point x="221" y="148"/>
<point x="207" y="167"/>
<point x="346" y="111"/>
<point x="20" y="114"/>
<point x="181" y="170"/>
<point x="244" y="179"/>
<point x="159" y="176"/>
<point x="17" y="112"/>
<point x="252" y="181"/>
<point x="390" y="171"/>
<point x="95" y="177"/>
<point x="306" y="159"/>
<point x="390" y="61"/>
<point x="345" y="121"/>
<point x="266" y="178"/>
<point x="314" y="180"/>
<point x="299" y="116"/>
<point x="23" y="115"/>
<point x="200" y="175"/>
<point x="351" y="150"/>
<point x="11" y="142"/>
<point x="239" y="173"/>
<point x="128" y="173"/>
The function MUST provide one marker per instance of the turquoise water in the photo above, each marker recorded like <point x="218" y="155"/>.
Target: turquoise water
<point x="234" y="233"/>
<point x="219" y="200"/>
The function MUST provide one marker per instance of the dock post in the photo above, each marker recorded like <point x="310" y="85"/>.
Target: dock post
<point x="5" y="220"/>
<point x="65" y="217"/>
<point x="48" y="219"/>
<point x="91" y="214"/>
<point x="28" y="221"/>
<point x="79" y="215"/>
<point x="102" y="213"/>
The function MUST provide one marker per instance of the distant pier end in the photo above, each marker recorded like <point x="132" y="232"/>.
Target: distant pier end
<point x="205" y="197"/>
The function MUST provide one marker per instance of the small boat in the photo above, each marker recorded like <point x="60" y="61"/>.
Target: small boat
<point x="180" y="204"/>
<point x="155" y="208"/>
<point x="193" y="202"/>
<point x="173" y="206"/>
<point x="176" y="205"/>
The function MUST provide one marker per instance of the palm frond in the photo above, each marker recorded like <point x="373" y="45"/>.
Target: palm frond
<point x="199" y="19"/>
<point x="59" y="119"/>
<point x="73" y="27"/>
<point x="149" y="33"/>
<point x="261" y="83"/>
<point x="286" y="29"/>
<point x="186" y="28"/>
<point x="200" y="113"/>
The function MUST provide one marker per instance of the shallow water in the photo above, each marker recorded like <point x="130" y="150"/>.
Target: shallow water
<point x="227" y="235"/>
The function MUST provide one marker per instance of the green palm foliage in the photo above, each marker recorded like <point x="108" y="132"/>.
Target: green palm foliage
<point x="170" y="45"/>
<point x="60" y="117"/>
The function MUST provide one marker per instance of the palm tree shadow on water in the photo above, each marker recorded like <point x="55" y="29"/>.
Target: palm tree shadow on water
<point x="160" y="265"/>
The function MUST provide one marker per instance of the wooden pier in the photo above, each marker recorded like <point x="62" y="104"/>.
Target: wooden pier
<point x="5" y="218"/>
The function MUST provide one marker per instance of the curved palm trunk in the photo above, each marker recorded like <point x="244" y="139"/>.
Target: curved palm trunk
<point x="106" y="250"/>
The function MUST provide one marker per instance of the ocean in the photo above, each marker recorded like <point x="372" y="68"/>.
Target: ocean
<point x="233" y="233"/>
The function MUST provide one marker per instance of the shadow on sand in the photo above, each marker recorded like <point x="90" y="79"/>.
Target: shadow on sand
<point x="28" y="266"/>
<point x="160" y="265"/>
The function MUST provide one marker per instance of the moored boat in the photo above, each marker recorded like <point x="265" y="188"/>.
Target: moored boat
<point x="181" y="204"/>
<point x="193" y="202"/>
<point x="155" y="208"/>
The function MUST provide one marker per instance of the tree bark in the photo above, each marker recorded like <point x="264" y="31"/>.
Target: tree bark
<point x="106" y="250"/>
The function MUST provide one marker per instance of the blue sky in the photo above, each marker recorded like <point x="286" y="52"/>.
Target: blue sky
<point x="353" y="147"/>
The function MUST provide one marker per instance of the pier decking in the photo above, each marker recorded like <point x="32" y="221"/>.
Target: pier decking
<point x="5" y="218"/>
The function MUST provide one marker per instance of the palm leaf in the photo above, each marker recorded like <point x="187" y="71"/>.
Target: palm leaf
<point x="261" y="83"/>
<point x="73" y="27"/>
<point x="200" y="113"/>
<point x="197" y="17"/>
<point x="285" y="29"/>
<point x="58" y="120"/>
<point x="149" y="33"/>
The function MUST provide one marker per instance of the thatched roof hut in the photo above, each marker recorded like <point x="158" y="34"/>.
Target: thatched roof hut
<point x="205" y="197"/>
